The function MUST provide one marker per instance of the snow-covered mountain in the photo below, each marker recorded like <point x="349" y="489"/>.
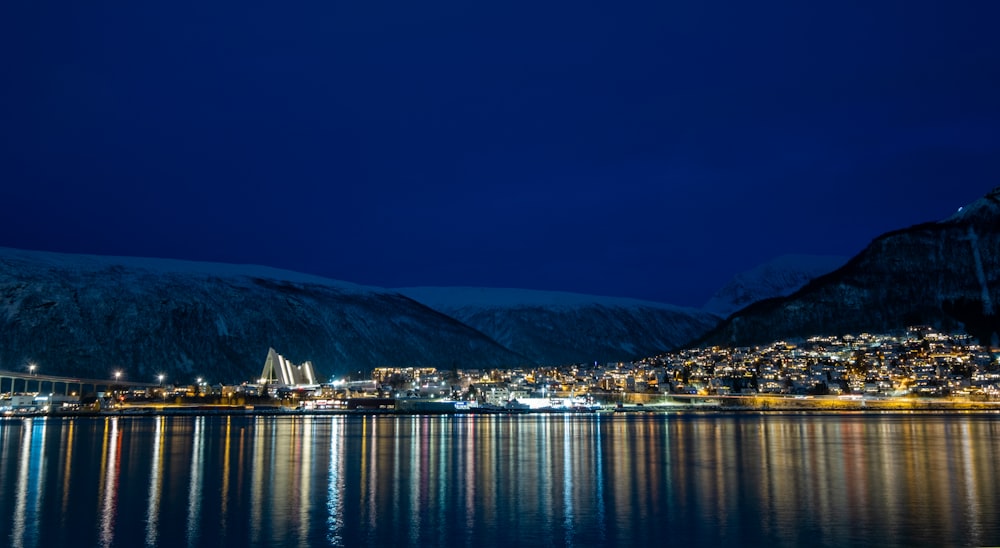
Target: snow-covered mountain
<point x="555" y="328"/>
<point x="778" y="277"/>
<point x="88" y="316"/>
<point x="944" y="274"/>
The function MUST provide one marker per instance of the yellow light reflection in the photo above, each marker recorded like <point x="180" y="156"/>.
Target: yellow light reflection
<point x="257" y="485"/>
<point x="67" y="467"/>
<point x="110" y="472"/>
<point x="224" y="492"/>
<point x="305" y="481"/>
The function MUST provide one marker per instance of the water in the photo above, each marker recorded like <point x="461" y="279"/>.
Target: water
<point x="483" y="481"/>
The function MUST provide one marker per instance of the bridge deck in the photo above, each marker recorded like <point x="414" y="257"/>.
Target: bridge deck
<point x="25" y="375"/>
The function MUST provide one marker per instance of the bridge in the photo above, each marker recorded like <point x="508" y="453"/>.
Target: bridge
<point x="27" y="379"/>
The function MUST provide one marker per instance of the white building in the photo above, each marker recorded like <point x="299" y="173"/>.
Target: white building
<point x="279" y="371"/>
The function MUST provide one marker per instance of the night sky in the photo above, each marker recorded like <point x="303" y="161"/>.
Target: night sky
<point x="648" y="149"/>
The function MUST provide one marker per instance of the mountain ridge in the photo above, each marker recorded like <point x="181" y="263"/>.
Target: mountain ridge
<point x="89" y="317"/>
<point x="89" y="314"/>
<point x="918" y="275"/>
<point x="778" y="277"/>
<point x="603" y="329"/>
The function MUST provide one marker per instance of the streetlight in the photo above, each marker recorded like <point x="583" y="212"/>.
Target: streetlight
<point x="118" y="375"/>
<point x="31" y="368"/>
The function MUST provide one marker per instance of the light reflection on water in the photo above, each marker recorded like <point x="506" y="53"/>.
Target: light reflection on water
<point x="194" y="484"/>
<point x="335" y="487"/>
<point x="24" y="530"/>
<point x="110" y="473"/>
<point x="155" y="483"/>
<point x="478" y="481"/>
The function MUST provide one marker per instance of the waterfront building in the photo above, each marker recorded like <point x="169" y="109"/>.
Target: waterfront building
<point x="281" y="372"/>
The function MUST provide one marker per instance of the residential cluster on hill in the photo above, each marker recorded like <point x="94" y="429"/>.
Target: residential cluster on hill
<point x="919" y="362"/>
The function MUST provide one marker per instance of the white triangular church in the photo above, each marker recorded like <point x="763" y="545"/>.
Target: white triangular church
<point x="279" y="371"/>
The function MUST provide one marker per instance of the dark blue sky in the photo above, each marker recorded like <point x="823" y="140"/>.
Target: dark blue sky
<point x="650" y="150"/>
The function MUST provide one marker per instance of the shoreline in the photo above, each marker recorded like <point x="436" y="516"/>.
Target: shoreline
<point x="663" y="406"/>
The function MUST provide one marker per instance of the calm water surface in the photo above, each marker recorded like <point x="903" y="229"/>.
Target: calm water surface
<point x="536" y="480"/>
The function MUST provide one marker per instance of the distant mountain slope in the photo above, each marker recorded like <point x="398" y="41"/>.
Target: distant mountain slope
<point x="945" y="274"/>
<point x="776" y="278"/>
<point x="88" y="316"/>
<point x="555" y="328"/>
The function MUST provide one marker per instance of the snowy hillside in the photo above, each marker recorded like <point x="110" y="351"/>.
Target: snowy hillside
<point x="460" y="297"/>
<point x="980" y="212"/>
<point x="557" y="328"/>
<point x="81" y="263"/>
<point x="943" y="274"/>
<point x="779" y="277"/>
<point x="84" y="315"/>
